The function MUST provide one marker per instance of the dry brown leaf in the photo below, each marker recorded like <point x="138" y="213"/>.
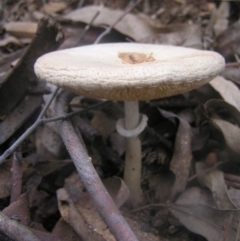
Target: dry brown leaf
<point x="188" y="35"/>
<point x="36" y="198"/>
<point x="16" y="119"/>
<point x="103" y="124"/>
<point x="232" y="74"/>
<point x="13" y="88"/>
<point x="79" y="211"/>
<point x="214" y="180"/>
<point x="54" y="7"/>
<point x="19" y="209"/>
<point x="118" y="143"/>
<point x="89" y="225"/>
<point x="6" y="62"/>
<point x="217" y="107"/>
<point x="52" y="141"/>
<point x="221" y="18"/>
<point x="196" y="196"/>
<point x="65" y="232"/>
<point x="47" y="167"/>
<point x="43" y="236"/>
<point x="131" y="25"/>
<point x="196" y="210"/>
<point x="117" y="189"/>
<point x="182" y="155"/>
<point x="228" y="90"/>
<point x="231" y="133"/>
<point x="234" y="194"/>
<point x="40" y="148"/>
<point x="209" y="222"/>
<point x="114" y="185"/>
<point x="21" y="29"/>
<point x="161" y="184"/>
<point x="227" y="43"/>
<point x="9" y="40"/>
<point x="86" y="223"/>
<point x="5" y="179"/>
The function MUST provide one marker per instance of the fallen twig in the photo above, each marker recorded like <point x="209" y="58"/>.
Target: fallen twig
<point x="40" y="121"/>
<point x="109" y="29"/>
<point x="14" y="146"/>
<point x="90" y="24"/>
<point x="17" y="174"/>
<point x="233" y="64"/>
<point x="15" y="230"/>
<point x="104" y="203"/>
<point x="96" y="141"/>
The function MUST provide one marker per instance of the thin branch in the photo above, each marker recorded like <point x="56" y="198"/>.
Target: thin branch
<point x="68" y="115"/>
<point x="233" y="64"/>
<point x="150" y="206"/>
<point x="88" y="26"/>
<point x="15" y="145"/>
<point x="109" y="29"/>
<point x="104" y="203"/>
<point x="15" y="230"/>
<point x="17" y="173"/>
<point x="39" y="121"/>
<point x="48" y="103"/>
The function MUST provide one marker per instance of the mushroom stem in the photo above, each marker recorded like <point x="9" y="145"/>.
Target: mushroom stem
<point x="133" y="162"/>
<point x="132" y="117"/>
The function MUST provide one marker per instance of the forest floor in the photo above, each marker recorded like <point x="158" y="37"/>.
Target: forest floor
<point x="190" y="150"/>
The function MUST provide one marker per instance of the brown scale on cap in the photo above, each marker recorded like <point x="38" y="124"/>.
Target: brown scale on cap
<point x="135" y="58"/>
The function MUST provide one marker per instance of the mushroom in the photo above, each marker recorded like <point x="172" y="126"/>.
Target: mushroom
<point x="130" y="72"/>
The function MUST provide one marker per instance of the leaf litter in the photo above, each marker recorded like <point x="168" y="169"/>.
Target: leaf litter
<point x="189" y="148"/>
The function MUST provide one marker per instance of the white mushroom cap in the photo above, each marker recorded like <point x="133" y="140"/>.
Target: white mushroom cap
<point x="129" y="71"/>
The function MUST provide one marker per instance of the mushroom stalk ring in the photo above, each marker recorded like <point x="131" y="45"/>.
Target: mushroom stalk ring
<point x="134" y="132"/>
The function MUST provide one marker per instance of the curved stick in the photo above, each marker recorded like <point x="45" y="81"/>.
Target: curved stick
<point x="104" y="203"/>
<point x="15" y="230"/>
